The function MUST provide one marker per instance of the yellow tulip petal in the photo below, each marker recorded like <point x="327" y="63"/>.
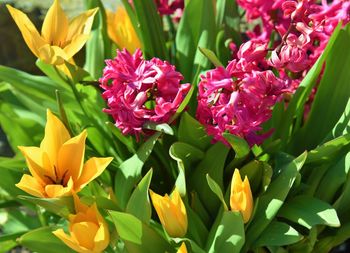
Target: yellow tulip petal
<point x="55" y="135"/>
<point x="182" y="248"/>
<point x="31" y="186"/>
<point x="55" y="25"/>
<point x="84" y="233"/>
<point x="75" y="45"/>
<point x="58" y="190"/>
<point x="121" y="30"/>
<point x="78" y="205"/>
<point x="101" y="239"/>
<point x="30" y="34"/>
<point x="92" y="169"/>
<point x="34" y="159"/>
<point x="52" y="55"/>
<point x="69" y="241"/>
<point x="81" y="25"/>
<point x="71" y="156"/>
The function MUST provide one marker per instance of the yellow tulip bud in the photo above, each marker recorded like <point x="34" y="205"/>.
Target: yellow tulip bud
<point x="171" y="212"/>
<point x="182" y="248"/>
<point x="121" y="31"/>
<point x="241" y="198"/>
<point x="88" y="230"/>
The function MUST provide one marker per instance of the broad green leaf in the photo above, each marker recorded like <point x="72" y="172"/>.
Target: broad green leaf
<point x="296" y="106"/>
<point x="213" y="164"/>
<point x="150" y="29"/>
<point x="129" y="172"/>
<point x="333" y="179"/>
<point x="217" y="190"/>
<point x="272" y="200"/>
<point x="42" y="240"/>
<point x="229" y="236"/>
<point x="98" y="47"/>
<point x="239" y="145"/>
<point x="278" y="234"/>
<point x="195" y="29"/>
<point x="328" y="243"/>
<point x="137" y="236"/>
<point x="163" y="128"/>
<point x="139" y="204"/>
<point x="185" y="153"/>
<point x="193" y="133"/>
<point x="61" y="206"/>
<point x="196" y="228"/>
<point x="331" y="98"/>
<point x="327" y="151"/>
<point x="309" y="211"/>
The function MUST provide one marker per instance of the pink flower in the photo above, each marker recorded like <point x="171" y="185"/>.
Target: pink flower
<point x="139" y="91"/>
<point x="291" y="56"/>
<point x="237" y="104"/>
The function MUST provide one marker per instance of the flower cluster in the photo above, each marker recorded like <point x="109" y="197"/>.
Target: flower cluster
<point x="238" y="99"/>
<point x="139" y="91"/>
<point x="304" y="28"/>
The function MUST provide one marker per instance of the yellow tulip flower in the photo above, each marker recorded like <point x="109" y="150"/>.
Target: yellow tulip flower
<point x="171" y="212"/>
<point x="60" y="39"/>
<point x="88" y="231"/>
<point x="241" y="198"/>
<point x="121" y="31"/>
<point x="57" y="167"/>
<point x="182" y="248"/>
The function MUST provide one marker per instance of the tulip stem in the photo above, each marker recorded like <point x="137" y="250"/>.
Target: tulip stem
<point x="41" y="216"/>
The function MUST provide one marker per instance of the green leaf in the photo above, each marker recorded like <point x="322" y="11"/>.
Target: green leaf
<point x="254" y="171"/>
<point x="195" y="29"/>
<point x="163" y="128"/>
<point x="193" y="133"/>
<point x="278" y="234"/>
<point x="334" y="178"/>
<point x="328" y="151"/>
<point x="239" y="145"/>
<point x="42" y="240"/>
<point x="130" y="171"/>
<point x="185" y="154"/>
<point x="272" y="200"/>
<point x="313" y="212"/>
<point x="61" y="206"/>
<point x="331" y="98"/>
<point x="137" y="236"/>
<point x="296" y="106"/>
<point x="151" y="30"/>
<point x="217" y="190"/>
<point x="212" y="164"/>
<point x="139" y="204"/>
<point x="98" y="47"/>
<point x="229" y="236"/>
<point x="211" y="56"/>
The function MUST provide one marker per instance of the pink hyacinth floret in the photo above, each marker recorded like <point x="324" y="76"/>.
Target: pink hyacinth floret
<point x="138" y="91"/>
<point x="237" y="101"/>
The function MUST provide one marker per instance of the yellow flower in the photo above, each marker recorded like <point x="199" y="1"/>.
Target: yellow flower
<point x="241" y="196"/>
<point x="57" y="167"/>
<point x="121" y="31"/>
<point x="87" y="228"/>
<point x="171" y="212"/>
<point x="182" y="248"/>
<point x="60" y="38"/>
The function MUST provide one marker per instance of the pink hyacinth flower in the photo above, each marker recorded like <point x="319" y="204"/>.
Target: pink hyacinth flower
<point x="138" y="91"/>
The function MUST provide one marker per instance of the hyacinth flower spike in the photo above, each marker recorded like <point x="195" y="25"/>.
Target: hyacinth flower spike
<point x="57" y="167"/>
<point x="60" y="39"/>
